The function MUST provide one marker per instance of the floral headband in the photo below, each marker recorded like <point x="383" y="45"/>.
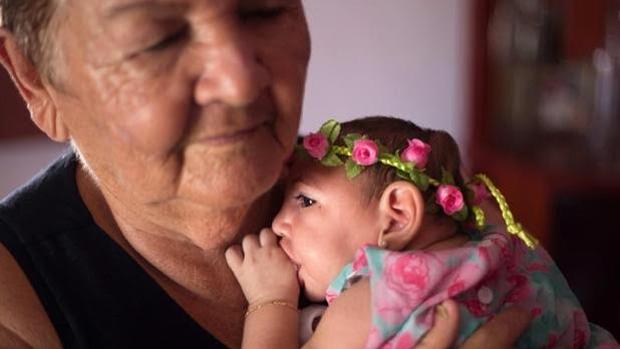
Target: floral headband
<point x="360" y="152"/>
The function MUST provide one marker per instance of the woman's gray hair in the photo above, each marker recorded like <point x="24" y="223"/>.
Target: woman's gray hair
<point x="29" y="21"/>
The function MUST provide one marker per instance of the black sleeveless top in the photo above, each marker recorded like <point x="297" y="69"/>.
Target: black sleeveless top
<point x="95" y="294"/>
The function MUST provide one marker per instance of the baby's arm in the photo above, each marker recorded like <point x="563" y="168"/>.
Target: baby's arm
<point x="269" y="281"/>
<point x="346" y="322"/>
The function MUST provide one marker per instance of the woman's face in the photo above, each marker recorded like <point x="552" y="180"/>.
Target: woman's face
<point x="193" y="101"/>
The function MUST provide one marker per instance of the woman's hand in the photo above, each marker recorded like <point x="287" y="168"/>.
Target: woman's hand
<point x="263" y="270"/>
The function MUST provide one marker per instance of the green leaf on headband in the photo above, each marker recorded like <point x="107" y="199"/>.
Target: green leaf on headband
<point x="409" y="166"/>
<point x="446" y="177"/>
<point x="424" y="181"/>
<point x="461" y="215"/>
<point x="331" y="130"/>
<point x="353" y="169"/>
<point x="351" y="138"/>
<point x="301" y="152"/>
<point x="470" y="195"/>
<point x="419" y="179"/>
<point x="431" y="205"/>
<point x="331" y="159"/>
<point x="393" y="159"/>
<point x="402" y="174"/>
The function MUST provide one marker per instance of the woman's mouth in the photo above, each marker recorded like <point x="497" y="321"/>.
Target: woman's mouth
<point x="232" y="136"/>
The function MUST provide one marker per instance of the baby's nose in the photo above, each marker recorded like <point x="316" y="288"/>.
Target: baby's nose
<point x="279" y="230"/>
<point x="280" y="226"/>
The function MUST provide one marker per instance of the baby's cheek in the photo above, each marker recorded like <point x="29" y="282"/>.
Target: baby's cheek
<point x="315" y="295"/>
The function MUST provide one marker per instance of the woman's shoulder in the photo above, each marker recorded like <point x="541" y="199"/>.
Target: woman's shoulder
<point x="24" y="323"/>
<point x="49" y="202"/>
<point x="23" y="320"/>
<point x="27" y="215"/>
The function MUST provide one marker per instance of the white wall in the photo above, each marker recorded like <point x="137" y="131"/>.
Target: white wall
<point x="404" y="58"/>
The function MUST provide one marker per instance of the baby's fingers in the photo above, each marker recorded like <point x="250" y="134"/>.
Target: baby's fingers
<point x="250" y="243"/>
<point x="267" y="238"/>
<point x="234" y="258"/>
<point x="444" y="331"/>
<point x="502" y="331"/>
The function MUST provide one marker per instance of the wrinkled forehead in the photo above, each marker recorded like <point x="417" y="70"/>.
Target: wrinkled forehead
<point x="102" y="14"/>
<point x="111" y="7"/>
<point x="103" y="26"/>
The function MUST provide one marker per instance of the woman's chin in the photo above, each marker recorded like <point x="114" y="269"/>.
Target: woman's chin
<point x="235" y="183"/>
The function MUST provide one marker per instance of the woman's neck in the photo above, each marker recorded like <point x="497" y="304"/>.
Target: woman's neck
<point x="182" y="243"/>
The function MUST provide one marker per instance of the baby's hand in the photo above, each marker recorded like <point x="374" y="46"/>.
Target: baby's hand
<point x="263" y="270"/>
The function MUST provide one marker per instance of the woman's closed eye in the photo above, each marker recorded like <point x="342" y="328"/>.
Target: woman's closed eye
<point x="304" y="201"/>
<point x="169" y="40"/>
<point x="261" y="13"/>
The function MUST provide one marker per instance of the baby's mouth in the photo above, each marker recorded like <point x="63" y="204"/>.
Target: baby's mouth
<point x="288" y="253"/>
<point x="297" y="265"/>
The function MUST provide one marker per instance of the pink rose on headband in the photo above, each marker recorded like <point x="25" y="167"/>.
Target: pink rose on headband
<point x="416" y="152"/>
<point x="365" y="152"/>
<point x="316" y="144"/>
<point x="450" y="199"/>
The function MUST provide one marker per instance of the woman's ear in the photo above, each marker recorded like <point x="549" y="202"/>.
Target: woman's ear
<point x="401" y="209"/>
<point x="32" y="89"/>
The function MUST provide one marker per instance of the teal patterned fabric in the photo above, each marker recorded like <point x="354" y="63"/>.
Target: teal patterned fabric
<point x="485" y="275"/>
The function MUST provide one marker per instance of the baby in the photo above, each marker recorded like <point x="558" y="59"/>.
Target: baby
<point x="378" y="221"/>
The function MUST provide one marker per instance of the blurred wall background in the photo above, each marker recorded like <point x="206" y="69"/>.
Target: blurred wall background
<point x="545" y="125"/>
<point x="406" y="58"/>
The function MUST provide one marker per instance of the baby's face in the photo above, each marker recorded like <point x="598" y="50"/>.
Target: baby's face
<point x="325" y="218"/>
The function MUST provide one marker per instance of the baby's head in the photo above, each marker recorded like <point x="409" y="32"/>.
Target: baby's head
<point x="327" y="216"/>
<point x="394" y="134"/>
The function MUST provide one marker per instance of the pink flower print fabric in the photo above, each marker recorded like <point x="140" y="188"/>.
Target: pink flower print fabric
<point x="484" y="277"/>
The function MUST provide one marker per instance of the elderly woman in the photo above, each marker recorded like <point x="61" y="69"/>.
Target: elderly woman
<point x="181" y="114"/>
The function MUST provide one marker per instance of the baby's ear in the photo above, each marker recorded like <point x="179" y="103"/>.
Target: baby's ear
<point x="401" y="209"/>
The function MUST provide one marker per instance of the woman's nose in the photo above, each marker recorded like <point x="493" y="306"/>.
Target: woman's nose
<point x="233" y="73"/>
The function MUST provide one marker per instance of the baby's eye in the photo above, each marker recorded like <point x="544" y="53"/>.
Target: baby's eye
<point x="304" y="201"/>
